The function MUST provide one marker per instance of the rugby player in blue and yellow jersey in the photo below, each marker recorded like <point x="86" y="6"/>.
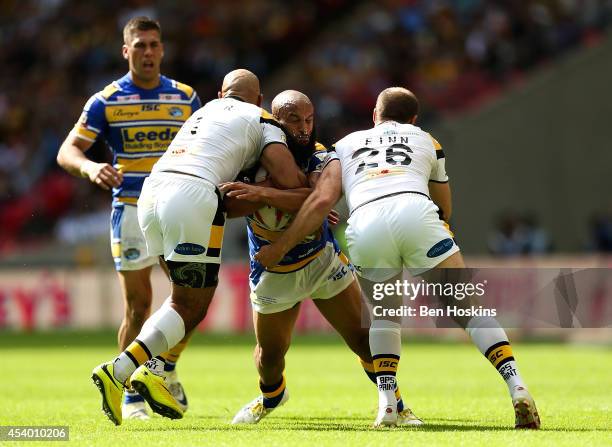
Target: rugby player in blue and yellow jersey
<point x="137" y="115"/>
<point x="315" y="268"/>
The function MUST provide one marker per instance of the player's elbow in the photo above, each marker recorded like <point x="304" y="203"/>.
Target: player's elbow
<point x="323" y="201"/>
<point x="447" y="213"/>
<point x="61" y="159"/>
<point x="290" y="181"/>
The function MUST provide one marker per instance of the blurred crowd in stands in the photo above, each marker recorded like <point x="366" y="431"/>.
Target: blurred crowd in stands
<point x="518" y="235"/>
<point x="515" y="234"/>
<point x="453" y="53"/>
<point x="56" y="53"/>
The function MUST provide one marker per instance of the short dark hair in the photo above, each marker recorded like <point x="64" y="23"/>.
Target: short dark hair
<point x="141" y="23"/>
<point x="397" y="104"/>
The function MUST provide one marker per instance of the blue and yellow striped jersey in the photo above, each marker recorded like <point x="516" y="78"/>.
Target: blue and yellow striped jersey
<point x="303" y="253"/>
<point x="138" y="126"/>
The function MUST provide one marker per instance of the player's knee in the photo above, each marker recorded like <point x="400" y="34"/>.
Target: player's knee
<point x="192" y="316"/>
<point x="191" y="310"/>
<point x="138" y="308"/>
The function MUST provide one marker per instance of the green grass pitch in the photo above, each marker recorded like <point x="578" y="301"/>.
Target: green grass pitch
<point x="46" y="381"/>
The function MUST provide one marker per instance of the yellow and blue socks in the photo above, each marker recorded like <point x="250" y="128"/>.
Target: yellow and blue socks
<point x="273" y="394"/>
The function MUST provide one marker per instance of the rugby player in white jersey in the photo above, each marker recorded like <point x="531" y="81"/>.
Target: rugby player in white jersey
<point x="136" y="115"/>
<point x="181" y="215"/>
<point x="396" y="186"/>
<point x="315" y="268"/>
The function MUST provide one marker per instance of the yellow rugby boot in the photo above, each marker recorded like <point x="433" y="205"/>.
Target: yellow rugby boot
<point x="153" y="388"/>
<point x="110" y="389"/>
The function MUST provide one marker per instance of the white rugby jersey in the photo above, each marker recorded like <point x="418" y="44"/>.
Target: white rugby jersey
<point x="388" y="159"/>
<point x="221" y="139"/>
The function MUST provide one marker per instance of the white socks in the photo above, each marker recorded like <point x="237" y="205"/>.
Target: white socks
<point x="386" y="346"/>
<point x="492" y="341"/>
<point x="162" y="331"/>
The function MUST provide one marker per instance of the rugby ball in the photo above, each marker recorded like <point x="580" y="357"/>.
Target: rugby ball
<point x="269" y="217"/>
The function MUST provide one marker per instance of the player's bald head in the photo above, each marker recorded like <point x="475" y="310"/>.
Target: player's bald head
<point x="396" y="104"/>
<point x="243" y="84"/>
<point x="288" y="102"/>
<point x="295" y="112"/>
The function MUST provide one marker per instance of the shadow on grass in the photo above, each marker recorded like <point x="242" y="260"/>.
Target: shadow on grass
<point x="356" y="424"/>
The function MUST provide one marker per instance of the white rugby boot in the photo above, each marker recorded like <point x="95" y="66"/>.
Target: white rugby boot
<point x="134" y="407"/>
<point x="255" y="411"/>
<point x="387" y="416"/>
<point x="175" y="387"/>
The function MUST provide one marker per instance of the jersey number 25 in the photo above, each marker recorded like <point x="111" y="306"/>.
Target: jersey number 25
<point x="396" y="154"/>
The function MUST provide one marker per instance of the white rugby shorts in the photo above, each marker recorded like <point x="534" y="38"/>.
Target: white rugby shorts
<point x="391" y="233"/>
<point x="182" y="218"/>
<point x="323" y="278"/>
<point x="128" y="244"/>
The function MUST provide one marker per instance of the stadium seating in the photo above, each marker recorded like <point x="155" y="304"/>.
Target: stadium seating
<point x="454" y="54"/>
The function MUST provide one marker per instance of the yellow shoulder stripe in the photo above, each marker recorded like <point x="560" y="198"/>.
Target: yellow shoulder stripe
<point x="185" y="88"/>
<point x="319" y="147"/>
<point x="267" y="115"/>
<point x="84" y="133"/>
<point x="437" y="145"/>
<point x="109" y="90"/>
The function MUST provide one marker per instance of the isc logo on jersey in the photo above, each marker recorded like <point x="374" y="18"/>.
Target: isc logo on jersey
<point x="269" y="217"/>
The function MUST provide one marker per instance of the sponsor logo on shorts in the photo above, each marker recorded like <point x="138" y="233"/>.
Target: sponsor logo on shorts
<point x="131" y="254"/>
<point x="440" y="248"/>
<point x="262" y="300"/>
<point x="189" y="249"/>
<point x="175" y="112"/>
<point x="339" y="274"/>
